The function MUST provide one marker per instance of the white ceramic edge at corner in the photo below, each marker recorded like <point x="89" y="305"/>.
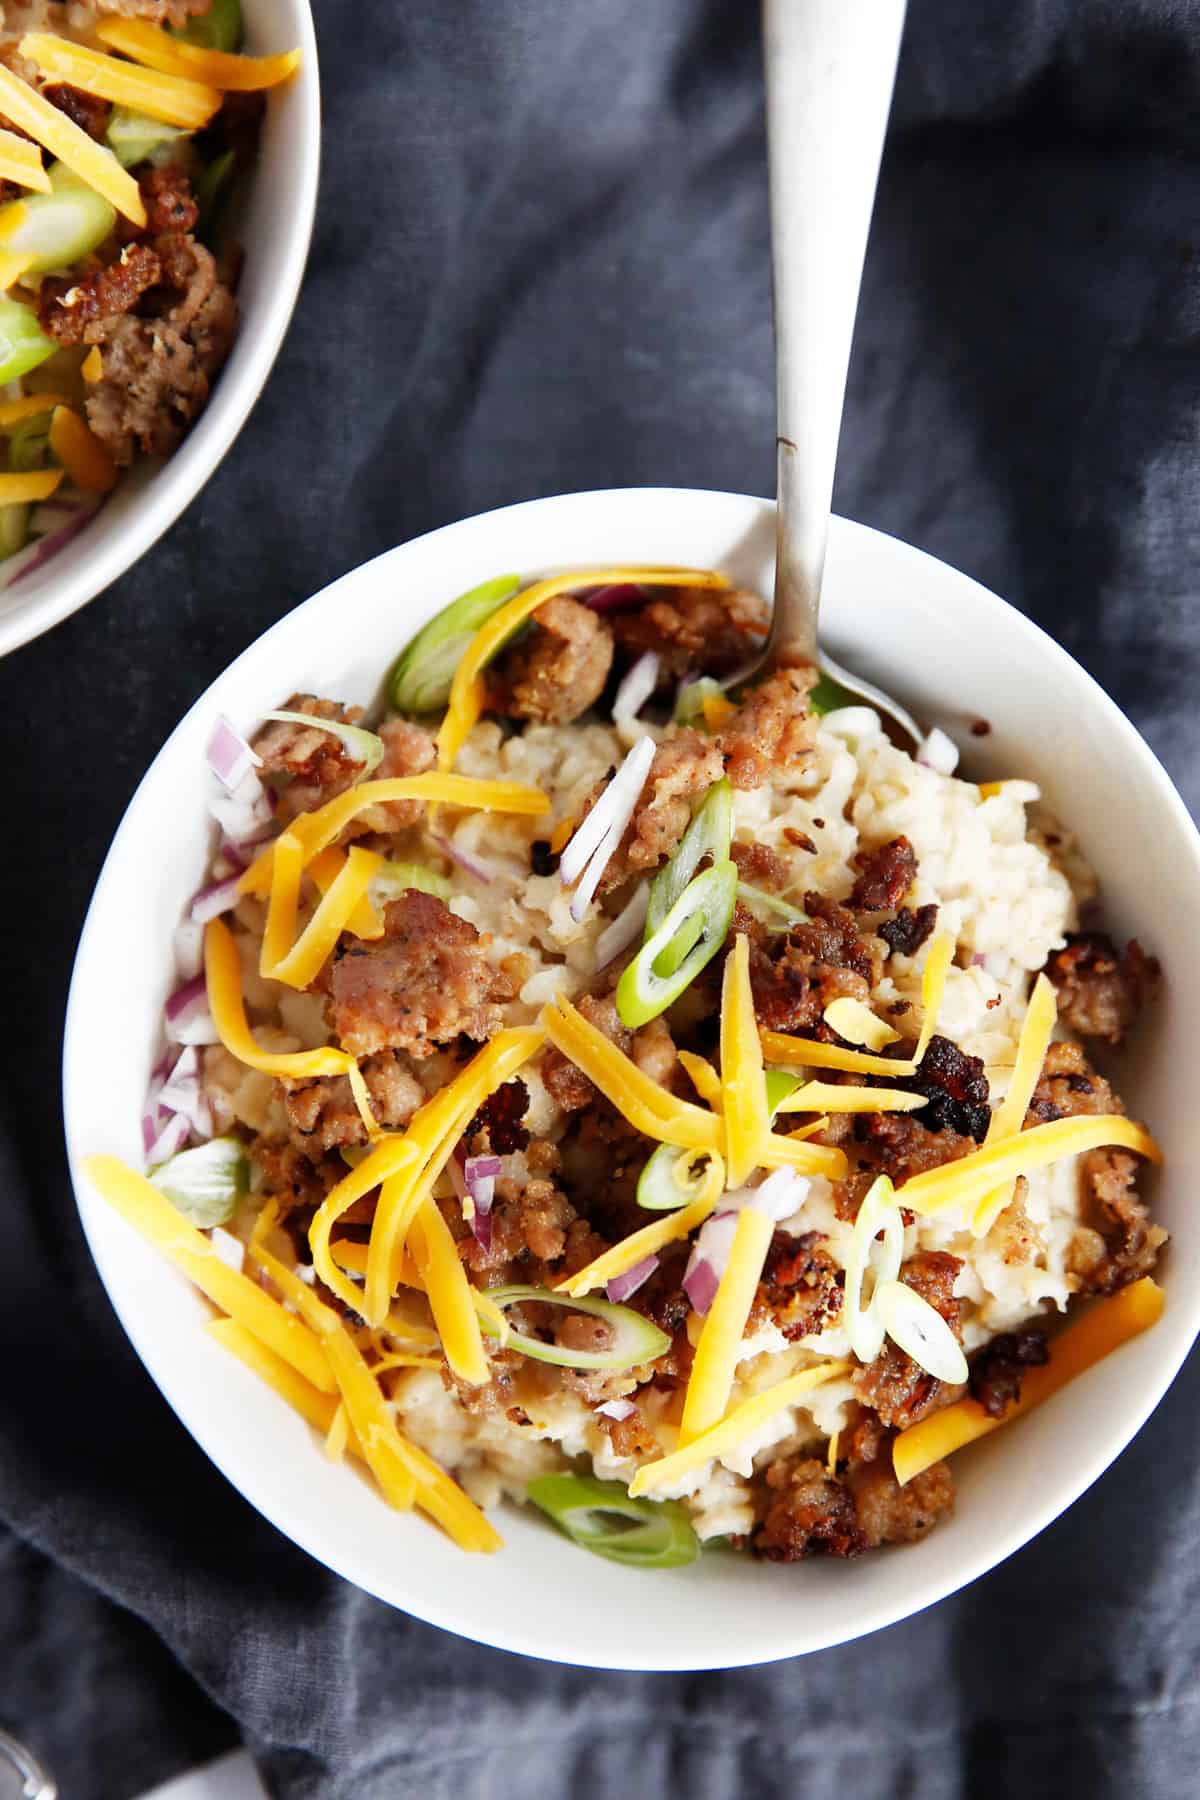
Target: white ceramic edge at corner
<point x="150" y="500"/>
<point x="742" y="1618"/>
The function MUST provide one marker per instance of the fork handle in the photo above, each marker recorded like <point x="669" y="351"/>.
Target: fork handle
<point x="830" y="69"/>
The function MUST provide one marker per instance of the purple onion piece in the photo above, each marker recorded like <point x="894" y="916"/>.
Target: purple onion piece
<point x="472" y="864"/>
<point x="217" y="898"/>
<point x="700" y="1284"/>
<point x="618" y="596"/>
<point x="229" y="755"/>
<point x="621" y="1287"/>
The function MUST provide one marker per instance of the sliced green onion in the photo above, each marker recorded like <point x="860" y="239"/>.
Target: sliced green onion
<point x="599" y="1516"/>
<point x="391" y="878"/>
<point x="755" y="896"/>
<point x="658" y="973"/>
<point x="363" y="746"/>
<point x="58" y="228"/>
<point x="212" y="192"/>
<point x="206" y="1184"/>
<point x="828" y="695"/>
<point x="780" y="1083"/>
<point x="420" y="681"/>
<point x="635" y="1339"/>
<point x="14" y="529"/>
<point x="920" y="1331"/>
<point x="220" y="28"/>
<point x="672" y="1177"/>
<point x="689" y="705"/>
<point x="707" y="835"/>
<point x="29" y="445"/>
<point x="23" y="343"/>
<point x="133" y="136"/>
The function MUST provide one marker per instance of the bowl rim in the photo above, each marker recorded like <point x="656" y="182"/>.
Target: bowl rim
<point x="1174" y="1334"/>
<point x="166" y="496"/>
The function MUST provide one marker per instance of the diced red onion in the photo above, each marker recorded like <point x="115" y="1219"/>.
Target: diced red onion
<point x="172" y="1138"/>
<point x="636" y="688"/>
<point x="621" y="1287"/>
<point x="182" y="1093"/>
<point x="616" y="1409"/>
<point x="478" y="1168"/>
<point x="625" y="928"/>
<point x="229" y="755"/>
<point x="708" y="1260"/>
<point x="189" y="949"/>
<point x="979" y="960"/>
<point x="219" y="897"/>
<point x="36" y="555"/>
<point x="604" y="827"/>
<point x="475" y="1180"/>
<point x="188" y="1020"/>
<point x="230" y="1249"/>
<point x="779" y="1196"/>
<point x="938" y="752"/>
<point x="474" y="865"/>
<point x="247" y="812"/>
<point x="619" y="596"/>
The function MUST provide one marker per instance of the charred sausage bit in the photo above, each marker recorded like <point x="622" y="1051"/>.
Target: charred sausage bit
<point x="692" y="629"/>
<point x="980" y="728"/>
<point x="801" y="839"/>
<point x="795" y="974"/>
<point x="88" y="111"/>
<point x="68" y="305"/>
<point x="957" y="1089"/>
<point x="1101" y="989"/>
<point x="557" y="673"/>
<point x="886" y="875"/>
<point x="542" y="859"/>
<point x="425" y="982"/>
<point x="801" y="1288"/>
<point x="497" y="1127"/>
<point x="306" y="765"/>
<point x="894" y="1386"/>
<point x="905" y="934"/>
<point x="999" y="1369"/>
<point x="530" y="1225"/>
<point x="772" y="729"/>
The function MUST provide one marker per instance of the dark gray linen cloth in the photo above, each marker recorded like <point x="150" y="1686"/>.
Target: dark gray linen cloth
<point x="541" y="263"/>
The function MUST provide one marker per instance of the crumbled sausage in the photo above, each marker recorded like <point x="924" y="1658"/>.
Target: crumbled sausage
<point x="151" y="389"/>
<point x="894" y="1386"/>
<point x="885" y="876"/>
<point x="560" y="670"/>
<point x="905" y="934"/>
<point x="169" y="201"/>
<point x="422" y="984"/>
<point x="890" y="1514"/>
<point x="956" y="1087"/>
<point x="322" y="1114"/>
<point x="801" y="1285"/>
<point x="1101" y="989"/>
<point x="694" y="629"/>
<point x="684" y="768"/>
<point x="69" y="304"/>
<point x="497" y="1128"/>
<point x="772" y="730"/>
<point x="88" y="111"/>
<point x="407" y="750"/>
<point x="999" y="1368"/>
<point x="795" y="974"/>
<point x="760" y="865"/>
<point x="809" y="1513"/>
<point x="306" y="765"/>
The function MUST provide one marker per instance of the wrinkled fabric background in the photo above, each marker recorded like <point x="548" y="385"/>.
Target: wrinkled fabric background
<point x="540" y="263"/>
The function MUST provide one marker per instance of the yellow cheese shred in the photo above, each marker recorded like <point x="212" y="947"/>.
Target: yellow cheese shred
<point x="338" y="1435"/>
<point x="972" y="1177"/>
<point x="1103" y="1328"/>
<point x="353" y="1257"/>
<point x="729" y="1432"/>
<point x="389" y="1155"/>
<point x="562" y="834"/>
<point x="831" y="1458"/>
<point x="667" y="1229"/>
<point x="433" y="1132"/>
<point x="704" y="1078"/>
<point x="824" y="1096"/>
<point x="298" y="961"/>
<point x="323" y="871"/>
<point x="12" y="266"/>
<point x="21" y="161"/>
<point x="445" y="1282"/>
<point x="858" y="1024"/>
<point x="315" y="830"/>
<point x="141" y="1204"/>
<point x="803" y="1053"/>
<point x="233" y="74"/>
<point x="717" y="1353"/>
<point x="466" y="690"/>
<point x="314" y="1406"/>
<point x="743" y="1081"/>
<point x="37" y="484"/>
<point x="223" y="974"/>
<point x="92" y="366"/>
<point x="717" y="709"/>
<point x="28" y="406"/>
<point x="25" y="108"/>
<point x="647" y="1105"/>
<point x="81" y="453"/>
<point x="175" y="99"/>
<point x="1037" y="1027"/>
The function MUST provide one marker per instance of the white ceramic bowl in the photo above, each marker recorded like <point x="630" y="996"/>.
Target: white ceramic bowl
<point x="275" y="231"/>
<point x="953" y="652"/>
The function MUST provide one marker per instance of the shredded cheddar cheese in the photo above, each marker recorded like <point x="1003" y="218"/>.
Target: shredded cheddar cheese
<point x="1041" y="1016"/>
<point x="92" y="366"/>
<point x="389" y="1155"/>
<point x="824" y="1096"/>
<point x="298" y="961"/>
<point x="704" y="1078"/>
<point x="803" y="1053"/>
<point x="466" y="691"/>
<point x="21" y="161"/>
<point x="353" y="1257"/>
<point x="717" y="709"/>
<point x="25" y="108"/>
<point x="81" y="453"/>
<point x="28" y="406"/>
<point x="141" y="1204"/>
<point x="858" y="1024"/>
<point x="972" y="1177"/>
<point x="323" y="871"/>
<point x="652" y="1238"/>
<point x="648" y="1106"/>
<point x="445" y="1282"/>
<point x="21" y="489"/>
<point x="743" y="1081"/>
<point x="175" y="99"/>
<point x="223" y="974"/>
<point x="717" y="1353"/>
<point x="315" y="830"/>
<point x="233" y="74"/>
<point x="1106" y="1325"/>
<point x="13" y="264"/>
<point x="562" y="834"/>
<point x="729" y="1432"/>
<point x="337" y="1437"/>
<point x="314" y="1406"/>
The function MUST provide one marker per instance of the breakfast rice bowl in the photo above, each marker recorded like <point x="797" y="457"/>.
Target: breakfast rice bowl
<point x="867" y="878"/>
